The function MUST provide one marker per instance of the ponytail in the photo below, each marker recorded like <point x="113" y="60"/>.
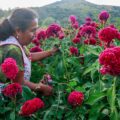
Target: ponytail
<point x="6" y="30"/>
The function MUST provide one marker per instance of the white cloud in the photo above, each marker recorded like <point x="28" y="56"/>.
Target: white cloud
<point x="106" y="2"/>
<point x="6" y="4"/>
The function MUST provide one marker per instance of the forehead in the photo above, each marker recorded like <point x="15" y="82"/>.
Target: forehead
<point x="34" y="24"/>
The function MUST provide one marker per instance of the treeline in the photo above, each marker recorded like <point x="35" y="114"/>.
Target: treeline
<point x="61" y="10"/>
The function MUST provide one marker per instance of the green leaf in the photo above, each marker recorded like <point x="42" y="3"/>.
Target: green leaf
<point x="72" y="83"/>
<point x="27" y="93"/>
<point x="12" y="115"/>
<point x="95" y="97"/>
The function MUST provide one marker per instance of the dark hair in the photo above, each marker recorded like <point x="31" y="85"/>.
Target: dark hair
<point x="20" y="18"/>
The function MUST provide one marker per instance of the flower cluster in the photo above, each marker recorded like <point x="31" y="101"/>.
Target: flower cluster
<point x="12" y="90"/>
<point x="31" y="106"/>
<point x="9" y="68"/>
<point x="90" y="41"/>
<point x="110" y="61"/>
<point x="75" y="98"/>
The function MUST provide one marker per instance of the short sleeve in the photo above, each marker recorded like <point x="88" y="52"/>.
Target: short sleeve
<point x="15" y="52"/>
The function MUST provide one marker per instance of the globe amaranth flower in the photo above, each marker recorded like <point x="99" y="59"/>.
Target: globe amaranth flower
<point x="12" y="90"/>
<point x="52" y="30"/>
<point x="9" y="68"/>
<point x="75" y="98"/>
<point x="110" y="61"/>
<point x="103" y="16"/>
<point x="108" y="34"/>
<point x="72" y="19"/>
<point x="75" y="25"/>
<point x="36" y="49"/>
<point x="90" y="41"/>
<point x="31" y="106"/>
<point x="73" y="50"/>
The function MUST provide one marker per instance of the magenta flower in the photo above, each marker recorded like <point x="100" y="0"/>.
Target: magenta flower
<point x="75" y="98"/>
<point x="108" y="34"/>
<point x="12" y="90"/>
<point x="110" y="61"/>
<point x="76" y="40"/>
<point x="103" y="16"/>
<point x="36" y="49"/>
<point x="72" y="19"/>
<point x="41" y="34"/>
<point x="73" y="50"/>
<point x="9" y="68"/>
<point x="52" y="30"/>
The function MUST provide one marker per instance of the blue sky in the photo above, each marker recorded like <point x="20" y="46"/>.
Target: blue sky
<point x="6" y="4"/>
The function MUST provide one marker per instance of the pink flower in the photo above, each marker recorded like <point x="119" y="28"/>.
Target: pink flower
<point x="9" y="68"/>
<point x="12" y="90"/>
<point x="36" y="49"/>
<point x="73" y="50"/>
<point x="31" y="106"/>
<point x="61" y="35"/>
<point x="103" y="16"/>
<point x="75" y="98"/>
<point x="72" y="19"/>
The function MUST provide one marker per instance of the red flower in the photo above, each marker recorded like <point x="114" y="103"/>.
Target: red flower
<point x="73" y="50"/>
<point x="103" y="16"/>
<point x="76" y="40"/>
<point x="72" y="19"/>
<point x="75" y="98"/>
<point x="75" y="25"/>
<point x="36" y="42"/>
<point x="90" y="41"/>
<point x="52" y="30"/>
<point x="31" y="106"/>
<point x="108" y="34"/>
<point x="110" y="61"/>
<point x="9" y="68"/>
<point x="88" y="31"/>
<point x="41" y="35"/>
<point x="61" y="35"/>
<point x="36" y="49"/>
<point x="12" y="90"/>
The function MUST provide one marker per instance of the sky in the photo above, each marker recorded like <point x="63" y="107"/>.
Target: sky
<point x="6" y="4"/>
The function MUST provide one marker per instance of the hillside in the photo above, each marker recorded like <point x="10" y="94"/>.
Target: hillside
<point x="61" y="10"/>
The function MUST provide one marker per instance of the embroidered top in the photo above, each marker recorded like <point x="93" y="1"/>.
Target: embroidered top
<point x="12" y="48"/>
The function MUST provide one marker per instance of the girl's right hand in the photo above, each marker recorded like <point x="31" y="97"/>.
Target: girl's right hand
<point x="45" y="89"/>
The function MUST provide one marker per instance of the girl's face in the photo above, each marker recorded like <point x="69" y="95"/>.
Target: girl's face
<point x="27" y="36"/>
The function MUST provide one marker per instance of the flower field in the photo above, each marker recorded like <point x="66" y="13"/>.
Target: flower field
<point x="84" y="74"/>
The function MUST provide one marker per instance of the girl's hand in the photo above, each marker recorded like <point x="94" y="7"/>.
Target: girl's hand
<point x="45" y="89"/>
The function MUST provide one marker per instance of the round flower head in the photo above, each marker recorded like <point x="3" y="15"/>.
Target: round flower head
<point x="9" y="68"/>
<point x="31" y="106"/>
<point x="75" y="98"/>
